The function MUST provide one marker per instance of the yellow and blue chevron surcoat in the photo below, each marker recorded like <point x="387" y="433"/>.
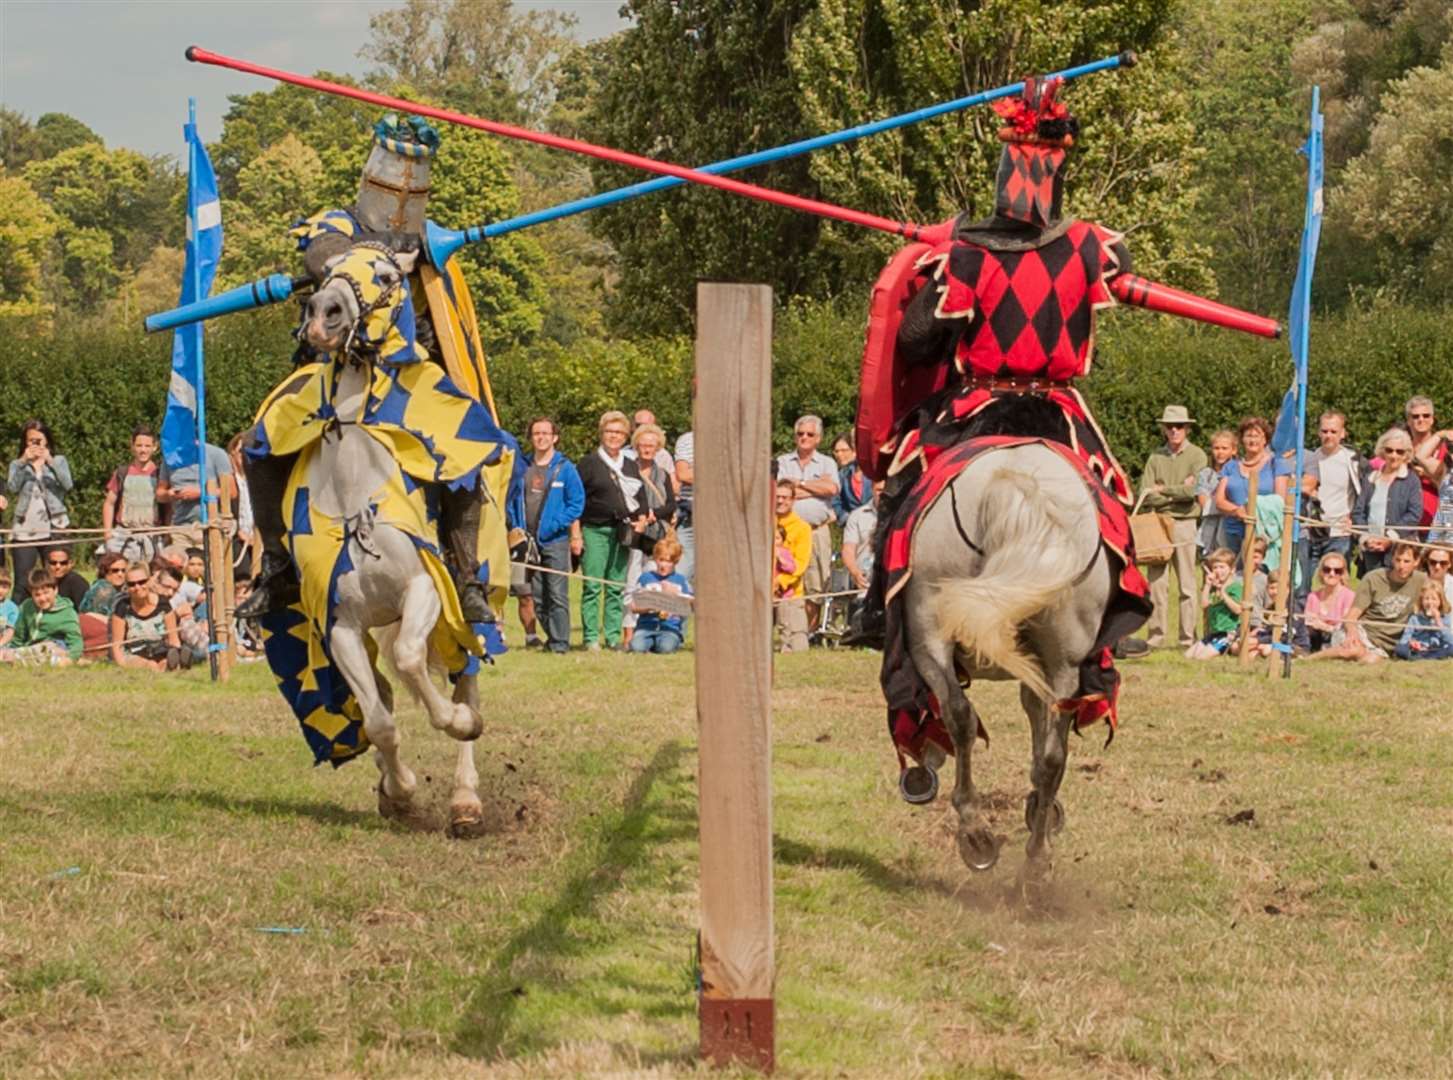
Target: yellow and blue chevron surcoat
<point x="438" y="434"/>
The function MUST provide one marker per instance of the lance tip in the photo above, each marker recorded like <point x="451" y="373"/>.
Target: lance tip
<point x="1128" y="58"/>
<point x="191" y="53"/>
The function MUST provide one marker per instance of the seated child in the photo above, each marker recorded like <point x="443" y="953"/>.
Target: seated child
<point x="1221" y="621"/>
<point x="9" y="610"/>
<point x="1260" y="632"/>
<point x="656" y="631"/>
<point x="1429" y="632"/>
<point x="47" y="631"/>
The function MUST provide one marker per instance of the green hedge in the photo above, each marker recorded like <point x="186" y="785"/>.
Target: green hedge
<point x="93" y="384"/>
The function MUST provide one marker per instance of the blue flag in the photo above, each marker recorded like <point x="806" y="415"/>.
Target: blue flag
<point x="180" y="430"/>
<point x="1291" y="421"/>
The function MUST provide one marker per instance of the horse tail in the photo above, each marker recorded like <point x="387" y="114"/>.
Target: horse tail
<point x="1029" y="562"/>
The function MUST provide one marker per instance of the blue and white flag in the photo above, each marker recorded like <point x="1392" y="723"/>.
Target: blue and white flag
<point x="180" y="429"/>
<point x="1291" y="421"/>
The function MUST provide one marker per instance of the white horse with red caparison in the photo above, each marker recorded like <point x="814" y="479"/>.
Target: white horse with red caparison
<point x="1026" y="605"/>
<point x="389" y="586"/>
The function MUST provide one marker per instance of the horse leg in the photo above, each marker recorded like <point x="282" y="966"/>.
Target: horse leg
<point x="421" y="609"/>
<point x="1042" y="811"/>
<point x="934" y="660"/>
<point x="466" y="812"/>
<point x="396" y="782"/>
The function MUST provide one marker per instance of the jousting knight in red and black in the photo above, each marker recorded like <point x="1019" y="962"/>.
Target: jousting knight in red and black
<point x="984" y="333"/>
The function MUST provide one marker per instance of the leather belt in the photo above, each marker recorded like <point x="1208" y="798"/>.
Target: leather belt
<point x="1019" y="386"/>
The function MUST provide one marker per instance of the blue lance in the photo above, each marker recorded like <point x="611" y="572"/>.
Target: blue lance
<point x="441" y="243"/>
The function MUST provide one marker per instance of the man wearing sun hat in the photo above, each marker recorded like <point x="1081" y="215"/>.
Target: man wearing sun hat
<point x="1168" y="486"/>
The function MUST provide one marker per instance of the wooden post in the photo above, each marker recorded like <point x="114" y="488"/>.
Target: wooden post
<point x="1281" y="624"/>
<point x="1248" y="570"/>
<point x="214" y="542"/>
<point x="733" y="521"/>
<point x="229" y="579"/>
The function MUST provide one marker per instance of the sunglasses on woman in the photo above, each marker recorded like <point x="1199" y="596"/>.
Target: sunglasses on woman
<point x="1334" y="570"/>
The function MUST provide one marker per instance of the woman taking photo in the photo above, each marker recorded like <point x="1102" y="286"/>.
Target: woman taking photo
<point x="614" y="514"/>
<point x="37" y="483"/>
<point x="1390" y="499"/>
<point x="1234" y="490"/>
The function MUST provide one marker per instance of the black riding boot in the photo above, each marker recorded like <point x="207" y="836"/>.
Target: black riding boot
<point x="276" y="587"/>
<point x="459" y="530"/>
<point x="870" y="622"/>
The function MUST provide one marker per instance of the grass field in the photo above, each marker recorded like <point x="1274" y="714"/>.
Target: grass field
<point x="158" y="831"/>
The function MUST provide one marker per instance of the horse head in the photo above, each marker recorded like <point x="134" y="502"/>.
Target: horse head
<point x="363" y="309"/>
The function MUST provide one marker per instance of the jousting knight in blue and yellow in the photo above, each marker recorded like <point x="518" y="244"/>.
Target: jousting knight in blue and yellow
<point x="447" y="392"/>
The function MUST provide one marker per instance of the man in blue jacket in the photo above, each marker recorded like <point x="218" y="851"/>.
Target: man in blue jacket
<point x="545" y="500"/>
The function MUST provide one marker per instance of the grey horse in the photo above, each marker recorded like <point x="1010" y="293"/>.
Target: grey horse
<point x="1026" y="605"/>
<point x="389" y="588"/>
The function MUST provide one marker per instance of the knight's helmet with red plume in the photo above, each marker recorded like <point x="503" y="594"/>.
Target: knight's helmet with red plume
<point x="1037" y="133"/>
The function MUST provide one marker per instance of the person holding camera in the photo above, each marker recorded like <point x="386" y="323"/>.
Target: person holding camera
<point x="38" y="482"/>
<point x="615" y="515"/>
<point x="659" y="499"/>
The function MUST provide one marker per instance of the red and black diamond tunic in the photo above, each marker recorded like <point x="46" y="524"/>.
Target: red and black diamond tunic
<point x="1031" y="313"/>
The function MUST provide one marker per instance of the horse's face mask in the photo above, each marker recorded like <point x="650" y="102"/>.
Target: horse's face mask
<point x="363" y="307"/>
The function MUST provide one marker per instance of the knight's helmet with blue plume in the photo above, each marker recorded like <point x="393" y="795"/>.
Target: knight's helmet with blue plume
<point x="394" y="191"/>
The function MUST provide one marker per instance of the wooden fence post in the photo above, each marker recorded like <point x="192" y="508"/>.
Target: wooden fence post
<point x="214" y="551"/>
<point x="732" y="515"/>
<point x="1281" y="620"/>
<point x="1248" y="571"/>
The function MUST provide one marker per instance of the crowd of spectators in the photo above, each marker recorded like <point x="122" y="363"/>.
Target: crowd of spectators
<point x="620" y="518"/>
<point x="1387" y="516"/>
<point x="146" y="606"/>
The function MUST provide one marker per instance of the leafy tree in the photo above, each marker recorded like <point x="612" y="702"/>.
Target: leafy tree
<point x="1359" y="48"/>
<point x="481" y="56"/>
<point x="1133" y="169"/>
<point x="337" y="129"/>
<point x="471" y="182"/>
<point x="60" y="131"/>
<point x="273" y="191"/>
<point x="18" y="141"/>
<point x="1398" y="193"/>
<point x="693" y="82"/>
<point x="112" y="205"/>
<point x="27" y="232"/>
<point x="1251" y="113"/>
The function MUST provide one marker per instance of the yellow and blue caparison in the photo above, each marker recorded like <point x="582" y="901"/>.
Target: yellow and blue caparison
<point x="439" y="434"/>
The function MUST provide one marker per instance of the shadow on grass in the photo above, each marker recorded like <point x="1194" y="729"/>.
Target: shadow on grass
<point x="141" y="806"/>
<point x="795" y="853"/>
<point x="625" y="841"/>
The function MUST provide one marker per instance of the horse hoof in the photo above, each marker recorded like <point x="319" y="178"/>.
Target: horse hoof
<point x="401" y="810"/>
<point x="1031" y="804"/>
<point x="978" y="848"/>
<point x="466" y="820"/>
<point x="918" y="784"/>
